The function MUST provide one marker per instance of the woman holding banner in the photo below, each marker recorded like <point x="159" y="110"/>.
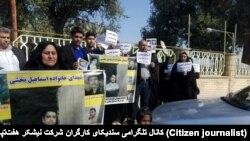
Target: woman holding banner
<point x="183" y="79"/>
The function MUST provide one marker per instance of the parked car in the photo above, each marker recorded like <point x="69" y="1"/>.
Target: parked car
<point x="231" y="109"/>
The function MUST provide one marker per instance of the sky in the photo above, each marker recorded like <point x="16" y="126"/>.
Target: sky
<point x="138" y="12"/>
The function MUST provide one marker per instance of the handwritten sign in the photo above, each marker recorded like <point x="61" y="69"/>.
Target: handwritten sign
<point x="144" y="57"/>
<point x="113" y="52"/>
<point x="124" y="47"/>
<point x="185" y="66"/>
<point x="111" y="37"/>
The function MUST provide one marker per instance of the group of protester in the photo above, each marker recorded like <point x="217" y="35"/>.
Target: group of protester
<point x="151" y="82"/>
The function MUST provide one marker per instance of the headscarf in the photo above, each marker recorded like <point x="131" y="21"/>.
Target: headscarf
<point x="35" y="60"/>
<point x="188" y="58"/>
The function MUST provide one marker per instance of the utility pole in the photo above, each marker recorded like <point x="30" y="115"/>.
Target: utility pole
<point x="189" y="24"/>
<point x="13" y="19"/>
<point x="225" y="38"/>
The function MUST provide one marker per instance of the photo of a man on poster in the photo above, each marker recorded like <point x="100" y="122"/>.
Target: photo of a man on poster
<point x="93" y="85"/>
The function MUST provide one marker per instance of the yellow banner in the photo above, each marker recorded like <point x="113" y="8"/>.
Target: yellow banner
<point x="44" y="78"/>
<point x="132" y="72"/>
<point x="94" y="100"/>
<point x="113" y="59"/>
<point x="5" y="112"/>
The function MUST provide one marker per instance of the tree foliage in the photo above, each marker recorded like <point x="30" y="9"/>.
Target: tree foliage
<point x="59" y="15"/>
<point x="169" y="21"/>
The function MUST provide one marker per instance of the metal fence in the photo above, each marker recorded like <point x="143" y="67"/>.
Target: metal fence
<point x="29" y="42"/>
<point x="211" y="63"/>
<point x="242" y="69"/>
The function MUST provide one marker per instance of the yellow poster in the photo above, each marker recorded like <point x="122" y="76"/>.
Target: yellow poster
<point x="94" y="96"/>
<point x="34" y="79"/>
<point x="27" y="98"/>
<point x="121" y="75"/>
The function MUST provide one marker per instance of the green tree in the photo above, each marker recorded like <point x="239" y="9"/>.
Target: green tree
<point x="169" y="21"/>
<point x="4" y="13"/>
<point x="241" y="16"/>
<point x="59" y="15"/>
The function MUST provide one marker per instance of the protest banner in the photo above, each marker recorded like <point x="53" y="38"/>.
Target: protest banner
<point x="36" y="95"/>
<point x="94" y="97"/>
<point x="120" y="81"/>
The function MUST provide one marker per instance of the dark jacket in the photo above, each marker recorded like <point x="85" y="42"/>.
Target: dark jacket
<point x="68" y="56"/>
<point x="20" y="56"/>
<point x="153" y="82"/>
<point x="93" y="51"/>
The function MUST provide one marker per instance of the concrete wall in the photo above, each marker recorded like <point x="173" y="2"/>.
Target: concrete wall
<point x="211" y="87"/>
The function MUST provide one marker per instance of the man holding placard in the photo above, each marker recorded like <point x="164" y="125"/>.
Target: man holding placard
<point x="146" y="76"/>
<point x="74" y="53"/>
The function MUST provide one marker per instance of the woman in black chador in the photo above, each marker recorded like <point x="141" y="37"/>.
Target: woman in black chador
<point x="183" y="82"/>
<point x="45" y="57"/>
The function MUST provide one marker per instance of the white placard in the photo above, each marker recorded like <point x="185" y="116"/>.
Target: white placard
<point x="113" y="52"/>
<point x="196" y="67"/>
<point x="101" y="41"/>
<point x="125" y="47"/>
<point x="152" y="43"/>
<point x="144" y="57"/>
<point x="111" y="37"/>
<point x="184" y="66"/>
<point x="103" y="45"/>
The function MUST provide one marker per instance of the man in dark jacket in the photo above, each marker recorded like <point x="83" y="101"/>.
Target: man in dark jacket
<point x="72" y="52"/>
